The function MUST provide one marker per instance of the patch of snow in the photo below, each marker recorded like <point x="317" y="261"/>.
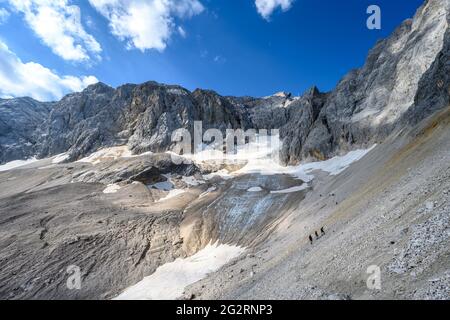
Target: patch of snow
<point x="107" y="154"/>
<point x="224" y="174"/>
<point x="172" y="193"/>
<point x="338" y="164"/>
<point x="254" y="189"/>
<point x="111" y="154"/>
<point x="111" y="188"/>
<point x="192" y="181"/>
<point x="211" y="189"/>
<point x="262" y="157"/>
<point x="16" y="164"/>
<point x="262" y="148"/>
<point x="60" y="158"/>
<point x="292" y="189"/>
<point x="333" y="166"/>
<point x="169" y="280"/>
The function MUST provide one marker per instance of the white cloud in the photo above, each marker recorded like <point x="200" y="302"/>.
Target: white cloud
<point x="59" y="26"/>
<point x="267" y="7"/>
<point x="181" y="31"/>
<point x="146" y="24"/>
<point x="32" y="79"/>
<point x="4" y="15"/>
<point x="219" y="59"/>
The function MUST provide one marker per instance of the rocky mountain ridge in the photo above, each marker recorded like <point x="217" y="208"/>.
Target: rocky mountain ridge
<point x="404" y="80"/>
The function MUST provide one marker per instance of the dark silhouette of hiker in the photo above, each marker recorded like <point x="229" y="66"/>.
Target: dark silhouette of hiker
<point x="322" y="231"/>
<point x="317" y="235"/>
<point x="311" y="239"/>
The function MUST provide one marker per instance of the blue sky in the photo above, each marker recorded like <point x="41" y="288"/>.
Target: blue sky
<point x="235" y="47"/>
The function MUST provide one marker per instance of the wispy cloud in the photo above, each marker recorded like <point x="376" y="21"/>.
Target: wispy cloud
<point x="220" y="59"/>
<point x="4" y="15"/>
<point x="181" y="31"/>
<point x="32" y="79"/>
<point x="267" y="7"/>
<point x="58" y="25"/>
<point x="146" y="24"/>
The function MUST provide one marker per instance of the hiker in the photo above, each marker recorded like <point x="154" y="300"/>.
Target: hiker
<point x="311" y="239"/>
<point x="317" y="235"/>
<point x="322" y="231"/>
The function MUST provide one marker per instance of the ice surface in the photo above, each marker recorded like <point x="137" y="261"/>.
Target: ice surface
<point x="165" y="185"/>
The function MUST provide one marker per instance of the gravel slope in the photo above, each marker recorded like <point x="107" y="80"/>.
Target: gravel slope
<point x="390" y="209"/>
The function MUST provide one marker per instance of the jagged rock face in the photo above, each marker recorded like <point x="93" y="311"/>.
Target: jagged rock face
<point x="434" y="87"/>
<point x="20" y="121"/>
<point x="303" y="115"/>
<point x="82" y="122"/>
<point x="368" y="104"/>
<point x="405" y="79"/>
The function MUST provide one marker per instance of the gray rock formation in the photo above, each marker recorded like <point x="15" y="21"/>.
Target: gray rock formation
<point x="20" y="127"/>
<point x="404" y="80"/>
<point x="370" y="103"/>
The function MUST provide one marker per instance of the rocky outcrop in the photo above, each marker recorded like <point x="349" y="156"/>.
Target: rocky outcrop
<point x="370" y="103"/>
<point x="20" y="133"/>
<point x="404" y="80"/>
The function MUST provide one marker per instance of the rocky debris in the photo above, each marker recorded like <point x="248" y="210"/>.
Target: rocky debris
<point x="147" y="169"/>
<point x="428" y="241"/>
<point x="435" y="289"/>
<point x="381" y="221"/>
<point x="63" y="230"/>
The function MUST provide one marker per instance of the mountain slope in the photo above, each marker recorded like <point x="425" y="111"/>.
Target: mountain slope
<point x="120" y="216"/>
<point x="391" y="209"/>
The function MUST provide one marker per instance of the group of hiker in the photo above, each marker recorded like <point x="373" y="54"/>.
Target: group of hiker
<point x="322" y="232"/>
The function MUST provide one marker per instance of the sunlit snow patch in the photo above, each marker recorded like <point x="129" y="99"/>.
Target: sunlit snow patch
<point x="172" y="193"/>
<point x="111" y="154"/>
<point x="107" y="154"/>
<point x="254" y="189"/>
<point x="112" y="188"/>
<point x="338" y="164"/>
<point x="224" y="174"/>
<point x="16" y="164"/>
<point x="333" y="166"/>
<point x="60" y="158"/>
<point x="262" y="157"/>
<point x="169" y="280"/>
<point x="292" y="189"/>
<point x="210" y="189"/>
